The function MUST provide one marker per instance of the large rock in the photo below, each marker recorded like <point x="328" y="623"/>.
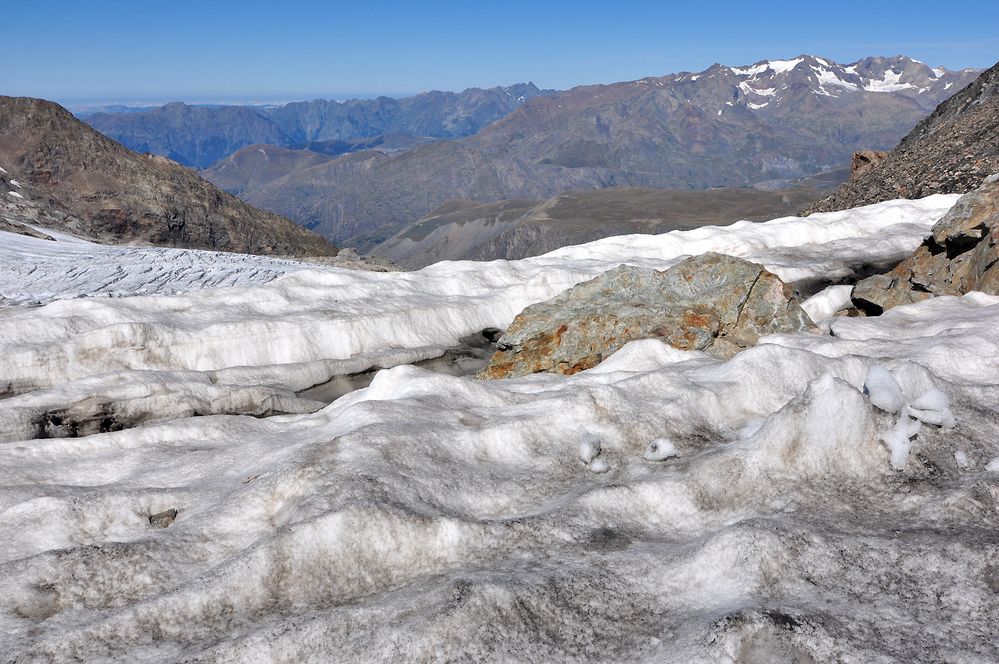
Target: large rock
<point x="711" y="302"/>
<point x="961" y="255"/>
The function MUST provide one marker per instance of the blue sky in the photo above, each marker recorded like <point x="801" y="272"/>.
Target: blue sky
<point x="208" y="50"/>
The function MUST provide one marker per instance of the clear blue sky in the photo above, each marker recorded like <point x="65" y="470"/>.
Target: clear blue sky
<point x="224" y="49"/>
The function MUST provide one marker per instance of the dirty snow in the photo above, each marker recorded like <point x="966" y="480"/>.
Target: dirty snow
<point x="663" y="506"/>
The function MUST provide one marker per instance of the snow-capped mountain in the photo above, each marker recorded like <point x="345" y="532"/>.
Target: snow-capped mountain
<point x="952" y="150"/>
<point x="771" y="83"/>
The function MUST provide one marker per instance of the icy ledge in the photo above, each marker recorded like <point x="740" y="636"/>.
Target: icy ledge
<point x="314" y="316"/>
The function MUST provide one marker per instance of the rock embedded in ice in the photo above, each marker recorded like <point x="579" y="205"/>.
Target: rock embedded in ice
<point x="884" y="390"/>
<point x="660" y="449"/>
<point x="711" y="302"/>
<point x="163" y="519"/>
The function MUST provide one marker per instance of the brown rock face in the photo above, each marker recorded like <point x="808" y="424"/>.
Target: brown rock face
<point x="711" y="302"/>
<point x="864" y="161"/>
<point x="91" y="186"/>
<point x="961" y="255"/>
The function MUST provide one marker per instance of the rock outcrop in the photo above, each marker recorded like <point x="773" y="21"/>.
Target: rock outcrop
<point x="950" y="152"/>
<point x="961" y="255"/>
<point x="716" y="303"/>
<point x="74" y="179"/>
<point x="864" y="161"/>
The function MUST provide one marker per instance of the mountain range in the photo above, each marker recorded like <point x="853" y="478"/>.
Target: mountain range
<point x="767" y="123"/>
<point x="198" y="136"/>
<point x="57" y="172"/>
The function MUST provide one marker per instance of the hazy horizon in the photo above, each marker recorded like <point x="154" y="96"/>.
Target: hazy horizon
<point x="305" y="50"/>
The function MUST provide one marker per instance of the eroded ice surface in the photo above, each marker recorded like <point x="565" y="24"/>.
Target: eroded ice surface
<point x="37" y="270"/>
<point x="430" y="517"/>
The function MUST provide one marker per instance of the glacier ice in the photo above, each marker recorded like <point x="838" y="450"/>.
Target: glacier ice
<point x="436" y="517"/>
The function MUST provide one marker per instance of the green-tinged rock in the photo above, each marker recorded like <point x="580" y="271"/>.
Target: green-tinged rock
<point x="716" y="303"/>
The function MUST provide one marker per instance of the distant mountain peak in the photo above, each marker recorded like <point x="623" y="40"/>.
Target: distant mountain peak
<point x="763" y="83"/>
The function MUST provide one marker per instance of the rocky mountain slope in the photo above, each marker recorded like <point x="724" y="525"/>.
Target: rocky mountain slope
<point x="518" y="228"/>
<point x="201" y="135"/>
<point x="725" y="126"/>
<point x="72" y="178"/>
<point x="951" y="151"/>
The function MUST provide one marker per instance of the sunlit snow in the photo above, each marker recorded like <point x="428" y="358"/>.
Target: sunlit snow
<point x="890" y="83"/>
<point x="662" y="506"/>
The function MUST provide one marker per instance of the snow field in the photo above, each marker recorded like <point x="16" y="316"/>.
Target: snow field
<point x="662" y="506"/>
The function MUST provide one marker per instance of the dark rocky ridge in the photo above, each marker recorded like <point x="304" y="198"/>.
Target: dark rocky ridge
<point x="85" y="183"/>
<point x="951" y="151"/>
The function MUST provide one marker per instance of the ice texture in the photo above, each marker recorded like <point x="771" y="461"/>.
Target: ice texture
<point x="884" y="390"/>
<point x="430" y="517"/>
<point x="660" y="449"/>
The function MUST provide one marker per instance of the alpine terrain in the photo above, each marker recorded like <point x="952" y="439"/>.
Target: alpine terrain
<point x="725" y="126"/>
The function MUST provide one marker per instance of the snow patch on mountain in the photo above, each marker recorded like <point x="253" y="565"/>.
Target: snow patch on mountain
<point x="776" y="66"/>
<point x="891" y="82"/>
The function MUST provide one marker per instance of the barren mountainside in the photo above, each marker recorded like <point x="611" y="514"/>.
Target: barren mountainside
<point x="94" y="187"/>
<point x="951" y="151"/>
<point x="514" y="229"/>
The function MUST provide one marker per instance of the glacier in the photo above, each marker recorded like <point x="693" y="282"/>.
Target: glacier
<point x="662" y="506"/>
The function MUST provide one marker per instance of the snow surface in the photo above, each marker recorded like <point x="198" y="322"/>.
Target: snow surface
<point x="430" y="517"/>
<point x="37" y="270"/>
<point x="15" y="194"/>
<point x="315" y="316"/>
